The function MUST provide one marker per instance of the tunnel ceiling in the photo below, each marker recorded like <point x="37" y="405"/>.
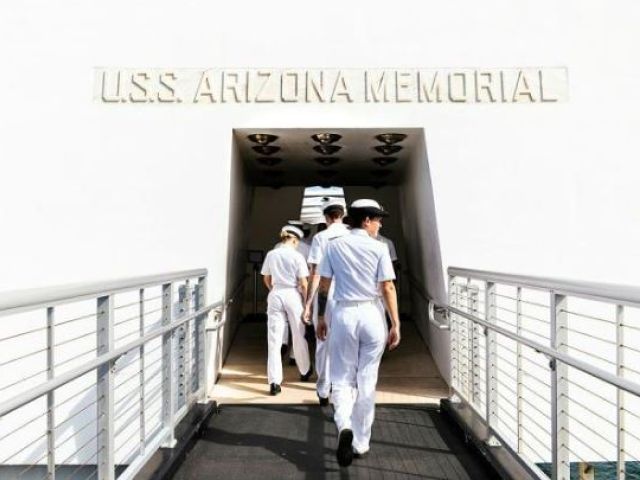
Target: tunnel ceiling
<point x="347" y="156"/>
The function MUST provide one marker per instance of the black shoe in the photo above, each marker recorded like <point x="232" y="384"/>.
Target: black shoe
<point x="292" y="362"/>
<point x="306" y="376"/>
<point x="284" y="349"/>
<point x="275" y="389"/>
<point x="344" y="454"/>
<point x="324" y="401"/>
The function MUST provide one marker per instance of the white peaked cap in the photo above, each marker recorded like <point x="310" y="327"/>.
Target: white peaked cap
<point x="333" y="202"/>
<point x="292" y="229"/>
<point x="369" y="206"/>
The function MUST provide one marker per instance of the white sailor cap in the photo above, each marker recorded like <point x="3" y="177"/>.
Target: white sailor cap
<point x="333" y="204"/>
<point x="368" y="207"/>
<point x="293" y="230"/>
<point x="297" y="223"/>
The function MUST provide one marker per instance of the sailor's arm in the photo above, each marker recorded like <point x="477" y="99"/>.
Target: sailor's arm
<point x="391" y="300"/>
<point x="313" y="289"/>
<point x="267" y="279"/>
<point x="303" y="285"/>
<point x="323" y="294"/>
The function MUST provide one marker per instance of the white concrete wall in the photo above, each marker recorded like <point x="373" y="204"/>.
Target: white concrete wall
<point x="90" y="191"/>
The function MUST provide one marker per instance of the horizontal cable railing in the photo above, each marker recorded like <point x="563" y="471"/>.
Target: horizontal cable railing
<point x="94" y="378"/>
<point x="549" y="367"/>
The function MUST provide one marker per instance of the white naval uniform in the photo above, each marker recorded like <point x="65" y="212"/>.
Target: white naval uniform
<point x="303" y="248"/>
<point x="284" y="304"/>
<point x="318" y="250"/>
<point x="357" y="263"/>
<point x="392" y="248"/>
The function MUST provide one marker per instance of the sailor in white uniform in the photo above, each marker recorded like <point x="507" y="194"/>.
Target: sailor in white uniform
<point x="361" y="269"/>
<point x="333" y="211"/>
<point x="285" y="275"/>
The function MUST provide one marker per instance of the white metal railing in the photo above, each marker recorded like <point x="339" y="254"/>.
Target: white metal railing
<point x="551" y="366"/>
<point x="94" y="378"/>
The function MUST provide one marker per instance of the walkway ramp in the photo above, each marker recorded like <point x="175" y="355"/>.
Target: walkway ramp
<point x="299" y="441"/>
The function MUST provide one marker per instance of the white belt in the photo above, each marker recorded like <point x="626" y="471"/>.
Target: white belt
<point x="357" y="303"/>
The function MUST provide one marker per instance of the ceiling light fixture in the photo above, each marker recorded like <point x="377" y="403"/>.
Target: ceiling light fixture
<point x="384" y="161"/>
<point x="386" y="149"/>
<point x="327" y="149"/>
<point x="262" y="138"/>
<point x="269" y="161"/>
<point x="327" y="161"/>
<point x="266" y="149"/>
<point x="326" y="138"/>
<point x="391" y="138"/>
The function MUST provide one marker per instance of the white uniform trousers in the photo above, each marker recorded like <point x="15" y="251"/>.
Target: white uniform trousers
<point x="358" y="338"/>
<point x="285" y="305"/>
<point x="323" y="384"/>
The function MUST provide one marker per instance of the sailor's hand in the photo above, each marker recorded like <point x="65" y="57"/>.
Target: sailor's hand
<point x="394" y="338"/>
<point x="321" y="329"/>
<point x="306" y="315"/>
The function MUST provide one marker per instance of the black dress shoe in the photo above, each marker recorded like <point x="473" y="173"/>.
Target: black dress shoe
<point x="324" y="401"/>
<point x="275" y="389"/>
<point x="306" y="376"/>
<point x="344" y="454"/>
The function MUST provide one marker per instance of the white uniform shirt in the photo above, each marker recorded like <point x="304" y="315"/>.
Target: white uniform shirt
<point x="392" y="248"/>
<point x="357" y="263"/>
<point x="303" y="248"/>
<point x="321" y="240"/>
<point x="285" y="265"/>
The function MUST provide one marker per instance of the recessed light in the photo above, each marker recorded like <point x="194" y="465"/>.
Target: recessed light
<point x="262" y="138"/>
<point x="384" y="161"/>
<point x="391" y="138"/>
<point x="326" y="138"/>
<point x="327" y="149"/>
<point x="269" y="161"/>
<point x="386" y="149"/>
<point x="266" y="149"/>
<point x="327" y="161"/>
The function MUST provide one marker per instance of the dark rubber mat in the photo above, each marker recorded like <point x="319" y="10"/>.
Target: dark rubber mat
<point x="299" y="442"/>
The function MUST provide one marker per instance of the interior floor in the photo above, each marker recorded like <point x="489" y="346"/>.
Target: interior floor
<point x="407" y="375"/>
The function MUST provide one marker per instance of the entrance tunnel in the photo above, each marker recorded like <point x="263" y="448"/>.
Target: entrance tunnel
<point x="282" y="175"/>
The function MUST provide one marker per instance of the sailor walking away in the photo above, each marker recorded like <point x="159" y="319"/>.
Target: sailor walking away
<point x="361" y="269"/>
<point x="285" y="275"/>
<point x="333" y="212"/>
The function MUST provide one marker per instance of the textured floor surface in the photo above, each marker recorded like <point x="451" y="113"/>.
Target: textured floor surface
<point x="299" y="441"/>
<point x="407" y="375"/>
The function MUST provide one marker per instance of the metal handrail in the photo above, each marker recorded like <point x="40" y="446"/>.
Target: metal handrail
<point x="432" y="308"/>
<point x="600" y="374"/>
<point x="609" y="292"/>
<point x="30" y="299"/>
<point x="25" y="397"/>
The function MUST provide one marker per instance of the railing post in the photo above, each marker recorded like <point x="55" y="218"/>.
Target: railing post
<point x="105" y="391"/>
<point x="620" y="395"/>
<point x="519" y="373"/>
<point x="200" y="343"/>
<point x="559" y="390"/>
<point x="142" y="380"/>
<point x="179" y="337"/>
<point x="168" y="380"/>
<point x="51" y="400"/>
<point x="490" y="355"/>
<point x="188" y="351"/>
<point x="455" y="339"/>
<point x="472" y="293"/>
